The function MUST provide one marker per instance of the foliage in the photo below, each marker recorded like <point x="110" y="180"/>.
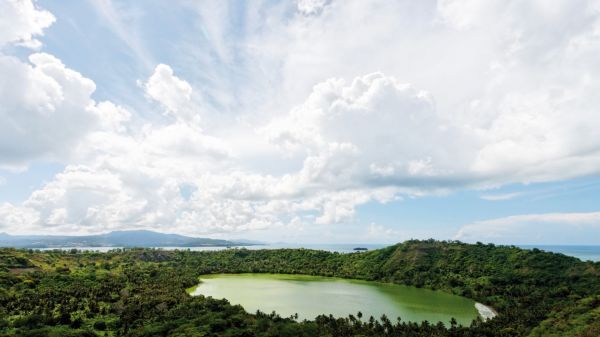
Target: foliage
<point x="141" y="292"/>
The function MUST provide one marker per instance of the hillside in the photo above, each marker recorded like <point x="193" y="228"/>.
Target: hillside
<point x="141" y="292"/>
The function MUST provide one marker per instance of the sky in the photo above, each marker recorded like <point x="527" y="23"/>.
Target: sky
<point x="308" y="121"/>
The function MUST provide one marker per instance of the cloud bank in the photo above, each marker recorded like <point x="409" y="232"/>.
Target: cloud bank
<point x="429" y="98"/>
<point x="571" y="228"/>
<point x="21" y="22"/>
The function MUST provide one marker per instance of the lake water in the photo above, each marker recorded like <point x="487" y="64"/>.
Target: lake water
<point x="310" y="296"/>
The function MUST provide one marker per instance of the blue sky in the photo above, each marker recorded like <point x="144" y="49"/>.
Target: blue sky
<point x="307" y="121"/>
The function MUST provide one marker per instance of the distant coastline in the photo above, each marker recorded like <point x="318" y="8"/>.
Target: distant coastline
<point x="582" y="252"/>
<point x="149" y="239"/>
<point x="115" y="239"/>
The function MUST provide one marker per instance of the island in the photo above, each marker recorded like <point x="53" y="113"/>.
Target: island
<point x="129" y="238"/>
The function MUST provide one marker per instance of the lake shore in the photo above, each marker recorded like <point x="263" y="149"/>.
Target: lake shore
<point x="485" y="312"/>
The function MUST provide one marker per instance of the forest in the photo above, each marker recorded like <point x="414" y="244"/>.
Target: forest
<point x="142" y="292"/>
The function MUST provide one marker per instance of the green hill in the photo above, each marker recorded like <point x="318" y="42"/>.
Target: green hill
<point x="141" y="292"/>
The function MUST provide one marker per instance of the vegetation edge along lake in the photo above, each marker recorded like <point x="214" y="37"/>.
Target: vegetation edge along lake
<point x="142" y="292"/>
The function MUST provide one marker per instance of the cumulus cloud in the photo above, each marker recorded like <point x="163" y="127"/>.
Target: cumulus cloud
<point x="309" y="7"/>
<point x="112" y="117"/>
<point x="82" y="199"/>
<point x="179" y="139"/>
<point x="173" y="93"/>
<point x="381" y="233"/>
<point x="373" y="131"/>
<point x="516" y="108"/>
<point x="563" y="228"/>
<point x="468" y="96"/>
<point x="45" y="108"/>
<point x="362" y="141"/>
<point x="14" y="217"/>
<point x="21" y="21"/>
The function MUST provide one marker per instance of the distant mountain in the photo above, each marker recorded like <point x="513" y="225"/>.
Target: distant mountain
<point x="250" y="242"/>
<point x="137" y="238"/>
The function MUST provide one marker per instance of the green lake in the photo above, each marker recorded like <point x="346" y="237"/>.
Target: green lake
<point x="310" y="296"/>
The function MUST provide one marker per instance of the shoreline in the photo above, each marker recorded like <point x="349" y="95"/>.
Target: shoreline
<point x="485" y="312"/>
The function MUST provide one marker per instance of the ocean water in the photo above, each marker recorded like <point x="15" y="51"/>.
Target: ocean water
<point x="340" y="248"/>
<point x="584" y="253"/>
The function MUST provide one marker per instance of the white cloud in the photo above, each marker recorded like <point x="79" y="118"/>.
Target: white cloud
<point x="46" y="107"/>
<point x="374" y="131"/>
<point x="123" y="25"/>
<point x="518" y="68"/>
<point x="379" y="233"/>
<point x="183" y="140"/>
<point x="47" y="110"/>
<point x="82" y="199"/>
<point x="15" y="217"/>
<point x="466" y="96"/>
<point x="343" y="166"/>
<point x="215" y="18"/>
<point x="563" y="228"/>
<point x="173" y="93"/>
<point x="464" y="14"/>
<point x="311" y="6"/>
<point x="500" y="197"/>
<point x="515" y="108"/>
<point x="112" y="117"/>
<point x="21" y="21"/>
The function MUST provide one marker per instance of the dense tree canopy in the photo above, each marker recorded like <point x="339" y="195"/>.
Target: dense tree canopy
<point x="142" y="292"/>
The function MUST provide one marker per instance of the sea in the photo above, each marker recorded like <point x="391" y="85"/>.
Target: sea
<point x="340" y="248"/>
<point x="582" y="252"/>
